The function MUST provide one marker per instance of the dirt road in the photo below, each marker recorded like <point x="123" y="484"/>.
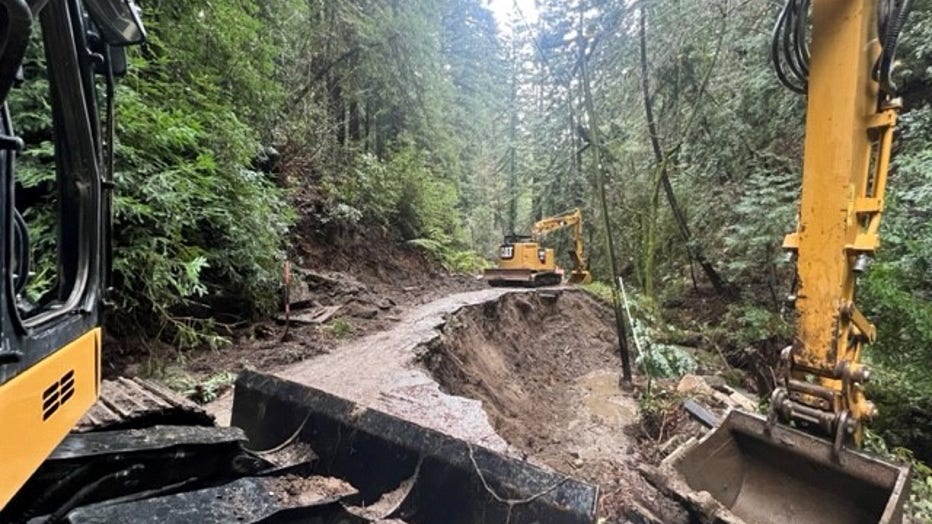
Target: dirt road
<point x="380" y="371"/>
<point x="528" y="373"/>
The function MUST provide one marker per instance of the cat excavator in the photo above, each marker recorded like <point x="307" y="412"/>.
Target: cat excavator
<point x="802" y="462"/>
<point x="523" y="261"/>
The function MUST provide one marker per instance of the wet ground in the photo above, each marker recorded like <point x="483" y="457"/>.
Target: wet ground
<point x="380" y="370"/>
<point x="529" y="373"/>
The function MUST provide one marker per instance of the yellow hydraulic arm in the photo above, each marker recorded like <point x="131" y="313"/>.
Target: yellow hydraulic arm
<point x="782" y="469"/>
<point x="849" y="129"/>
<point x="574" y="220"/>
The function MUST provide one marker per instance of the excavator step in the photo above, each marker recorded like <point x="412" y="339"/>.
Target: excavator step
<point x="445" y="479"/>
<point x="127" y="403"/>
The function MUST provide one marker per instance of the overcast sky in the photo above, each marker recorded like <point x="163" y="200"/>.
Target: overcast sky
<point x="503" y="10"/>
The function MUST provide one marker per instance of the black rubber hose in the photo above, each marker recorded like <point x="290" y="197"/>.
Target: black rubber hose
<point x="801" y="44"/>
<point x="893" y="25"/>
<point x="780" y="56"/>
<point x="789" y="41"/>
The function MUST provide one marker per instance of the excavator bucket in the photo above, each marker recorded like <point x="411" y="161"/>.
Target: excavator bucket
<point x="769" y="474"/>
<point x="428" y="476"/>
<point x="579" y="277"/>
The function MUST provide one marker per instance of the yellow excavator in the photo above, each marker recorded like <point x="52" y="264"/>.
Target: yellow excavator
<point x="523" y="261"/>
<point x="802" y="463"/>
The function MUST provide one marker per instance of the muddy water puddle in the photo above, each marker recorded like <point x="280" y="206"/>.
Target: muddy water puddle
<point x="604" y="400"/>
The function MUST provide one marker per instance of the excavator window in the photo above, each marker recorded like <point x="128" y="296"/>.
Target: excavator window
<point x="55" y="216"/>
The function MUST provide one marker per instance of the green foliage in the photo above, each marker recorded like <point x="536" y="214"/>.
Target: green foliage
<point x="194" y="225"/>
<point x="902" y="387"/>
<point x="751" y="325"/>
<point x="919" y="504"/>
<point x="665" y="361"/>
<point x="656" y="358"/>
<point x="599" y="290"/>
<point x="208" y="389"/>
<point x="340" y="328"/>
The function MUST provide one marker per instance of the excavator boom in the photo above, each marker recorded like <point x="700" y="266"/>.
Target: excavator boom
<point x="573" y="219"/>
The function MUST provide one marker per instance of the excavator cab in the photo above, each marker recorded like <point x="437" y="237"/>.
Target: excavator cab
<point x="50" y="355"/>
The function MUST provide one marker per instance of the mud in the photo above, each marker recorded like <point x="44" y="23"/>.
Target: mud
<point x="293" y="490"/>
<point x="545" y="367"/>
<point x="381" y="370"/>
<point x="529" y="373"/>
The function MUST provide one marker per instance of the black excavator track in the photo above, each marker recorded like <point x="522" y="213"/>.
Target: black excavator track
<point x="127" y="403"/>
<point x="521" y="278"/>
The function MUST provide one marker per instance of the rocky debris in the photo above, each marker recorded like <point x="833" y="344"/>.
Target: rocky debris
<point x="309" y="287"/>
<point x="360" y="309"/>
<point x="313" y="316"/>
<point x="315" y="297"/>
<point x="307" y="491"/>
<point x="714" y="387"/>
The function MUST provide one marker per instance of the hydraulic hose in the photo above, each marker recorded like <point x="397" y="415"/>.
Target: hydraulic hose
<point x="892" y="19"/>
<point x="789" y="46"/>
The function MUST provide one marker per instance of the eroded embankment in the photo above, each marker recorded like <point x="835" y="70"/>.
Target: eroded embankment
<point x="534" y="360"/>
<point x="545" y="367"/>
<point x="523" y="372"/>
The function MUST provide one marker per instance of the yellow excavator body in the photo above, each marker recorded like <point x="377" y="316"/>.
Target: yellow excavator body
<point x="41" y="405"/>
<point x="801" y="464"/>
<point x="523" y="261"/>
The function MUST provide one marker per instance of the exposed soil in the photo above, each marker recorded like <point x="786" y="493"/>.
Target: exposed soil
<point x="373" y="280"/>
<point x="545" y="366"/>
<point x="534" y="360"/>
<point x="386" y="374"/>
<point x="529" y="373"/>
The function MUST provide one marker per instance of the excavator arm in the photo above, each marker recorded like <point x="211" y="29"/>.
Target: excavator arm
<point x="801" y="464"/>
<point x="572" y="220"/>
<point x="849" y="132"/>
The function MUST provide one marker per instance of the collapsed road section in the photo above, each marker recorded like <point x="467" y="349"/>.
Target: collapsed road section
<point x="527" y="377"/>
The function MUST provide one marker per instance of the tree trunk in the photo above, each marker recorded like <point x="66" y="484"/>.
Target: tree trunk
<point x="694" y="253"/>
